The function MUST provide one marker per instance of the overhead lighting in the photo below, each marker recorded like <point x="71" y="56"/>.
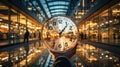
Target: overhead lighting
<point x="92" y="53"/>
<point x="106" y="56"/>
<point x="81" y="13"/>
<point x="100" y="57"/>
<point x="116" y="10"/>
<point x="3" y="26"/>
<point x="1" y="19"/>
<point x="102" y="54"/>
<point x="110" y="21"/>
<point x="110" y="58"/>
<point x="16" y="24"/>
<point x="106" y="22"/>
<point x="4" y="58"/>
<point x="30" y="8"/>
<point x="78" y="17"/>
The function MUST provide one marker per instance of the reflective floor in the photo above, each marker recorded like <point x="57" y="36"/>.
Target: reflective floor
<point x="95" y="57"/>
<point x="90" y="56"/>
<point x="36" y="55"/>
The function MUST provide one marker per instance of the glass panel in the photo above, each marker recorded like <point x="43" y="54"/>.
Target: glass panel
<point x="58" y="10"/>
<point x="60" y="7"/>
<point x="115" y="24"/>
<point x="104" y="28"/>
<point x="22" y="25"/>
<point x="58" y="3"/>
<point x="4" y="59"/>
<point x="14" y="31"/>
<point x="45" y="8"/>
<point x="58" y="13"/>
<point x="3" y="24"/>
<point x="94" y="28"/>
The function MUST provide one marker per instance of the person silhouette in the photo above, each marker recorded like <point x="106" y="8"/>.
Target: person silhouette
<point x="0" y="35"/>
<point x="26" y="36"/>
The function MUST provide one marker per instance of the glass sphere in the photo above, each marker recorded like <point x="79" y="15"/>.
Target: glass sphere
<point x="60" y="34"/>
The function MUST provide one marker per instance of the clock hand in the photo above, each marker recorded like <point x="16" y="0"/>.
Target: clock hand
<point x="63" y="29"/>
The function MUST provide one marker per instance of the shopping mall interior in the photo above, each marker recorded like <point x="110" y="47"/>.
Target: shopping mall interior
<point x="36" y="33"/>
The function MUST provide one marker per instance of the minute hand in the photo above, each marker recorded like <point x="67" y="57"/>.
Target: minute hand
<point x="63" y="29"/>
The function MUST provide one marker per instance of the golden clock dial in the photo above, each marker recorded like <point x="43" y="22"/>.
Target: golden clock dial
<point x="60" y="34"/>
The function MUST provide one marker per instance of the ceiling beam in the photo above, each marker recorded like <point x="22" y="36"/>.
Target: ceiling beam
<point x="39" y="3"/>
<point x="48" y="6"/>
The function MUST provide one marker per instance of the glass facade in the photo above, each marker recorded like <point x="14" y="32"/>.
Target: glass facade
<point x="33" y="6"/>
<point x="13" y="25"/>
<point x="103" y="27"/>
<point x="84" y="7"/>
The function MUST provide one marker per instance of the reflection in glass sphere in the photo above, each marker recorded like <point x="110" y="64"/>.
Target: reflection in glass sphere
<point x="60" y="34"/>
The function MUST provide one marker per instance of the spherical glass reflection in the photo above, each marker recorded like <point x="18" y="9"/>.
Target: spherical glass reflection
<point x="60" y="34"/>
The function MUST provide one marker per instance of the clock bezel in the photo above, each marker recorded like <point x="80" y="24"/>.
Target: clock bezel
<point x="57" y="50"/>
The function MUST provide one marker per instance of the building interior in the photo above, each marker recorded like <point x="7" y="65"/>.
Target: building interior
<point x="87" y="32"/>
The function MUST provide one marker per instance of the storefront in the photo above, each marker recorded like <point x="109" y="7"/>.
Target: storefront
<point x="13" y="25"/>
<point x="104" y="26"/>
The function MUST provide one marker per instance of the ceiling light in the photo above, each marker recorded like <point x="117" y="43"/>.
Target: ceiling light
<point x="92" y="53"/>
<point x="106" y="22"/>
<point x="102" y="54"/>
<point x="106" y="56"/>
<point x="3" y="26"/>
<point x="110" y="21"/>
<point x="100" y="57"/>
<point x="1" y="19"/>
<point x="81" y="13"/>
<point x="29" y="8"/>
<point x="110" y="57"/>
<point x="116" y="10"/>
<point x="16" y="24"/>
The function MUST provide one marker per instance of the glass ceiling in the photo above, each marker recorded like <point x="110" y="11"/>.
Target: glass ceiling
<point x="55" y="7"/>
<point x="45" y="9"/>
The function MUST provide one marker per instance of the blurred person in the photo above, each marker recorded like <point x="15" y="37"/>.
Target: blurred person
<point x="39" y="35"/>
<point x="26" y="36"/>
<point x="81" y="36"/>
<point x="0" y="35"/>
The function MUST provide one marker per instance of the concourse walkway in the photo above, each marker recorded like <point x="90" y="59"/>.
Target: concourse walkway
<point x="94" y="25"/>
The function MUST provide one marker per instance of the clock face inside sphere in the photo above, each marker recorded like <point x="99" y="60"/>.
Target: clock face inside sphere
<point x="60" y="34"/>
